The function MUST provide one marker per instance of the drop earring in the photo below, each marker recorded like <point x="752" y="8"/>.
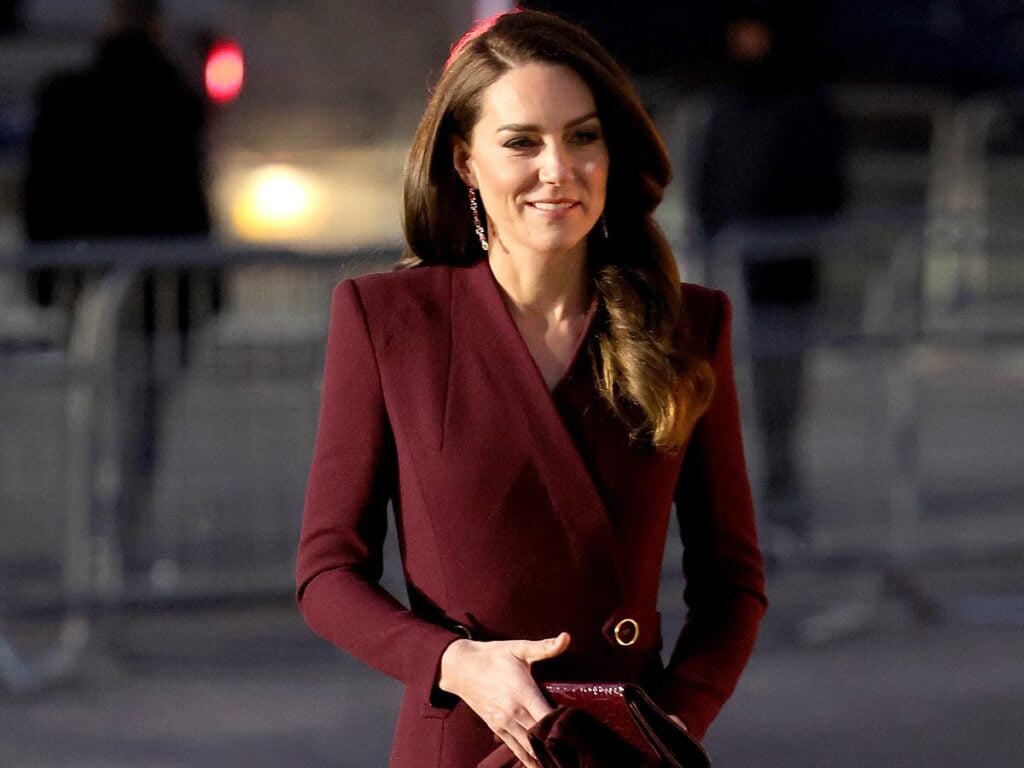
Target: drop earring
<point x="604" y="227"/>
<point x="474" y="208"/>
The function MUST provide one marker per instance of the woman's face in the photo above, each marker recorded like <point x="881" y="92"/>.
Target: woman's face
<point x="538" y="156"/>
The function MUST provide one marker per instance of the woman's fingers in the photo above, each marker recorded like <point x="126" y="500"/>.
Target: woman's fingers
<point x="535" y="704"/>
<point x="530" y="651"/>
<point x="518" y="740"/>
<point x="522" y="755"/>
<point x="494" y="680"/>
<point x="538" y="650"/>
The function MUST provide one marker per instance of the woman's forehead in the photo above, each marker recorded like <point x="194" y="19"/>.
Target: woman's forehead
<point x="541" y="95"/>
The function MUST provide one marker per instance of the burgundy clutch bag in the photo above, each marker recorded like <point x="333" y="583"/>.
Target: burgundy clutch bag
<point x="630" y="715"/>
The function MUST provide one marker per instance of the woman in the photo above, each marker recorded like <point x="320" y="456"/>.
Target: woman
<point x="532" y="394"/>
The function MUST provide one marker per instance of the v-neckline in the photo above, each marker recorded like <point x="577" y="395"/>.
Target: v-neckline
<point x="578" y="344"/>
<point x="513" y="373"/>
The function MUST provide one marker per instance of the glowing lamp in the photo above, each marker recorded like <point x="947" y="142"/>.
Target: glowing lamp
<point x="225" y="71"/>
<point x="277" y="202"/>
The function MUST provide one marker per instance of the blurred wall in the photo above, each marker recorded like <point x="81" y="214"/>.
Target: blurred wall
<point x="328" y="73"/>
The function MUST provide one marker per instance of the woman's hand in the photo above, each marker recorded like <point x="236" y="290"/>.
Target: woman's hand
<point x="494" y="680"/>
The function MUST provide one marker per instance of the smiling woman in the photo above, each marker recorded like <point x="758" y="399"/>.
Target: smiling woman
<point x="541" y="171"/>
<point x="533" y="392"/>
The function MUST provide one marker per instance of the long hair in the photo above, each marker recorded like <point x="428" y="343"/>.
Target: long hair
<point x="641" y="365"/>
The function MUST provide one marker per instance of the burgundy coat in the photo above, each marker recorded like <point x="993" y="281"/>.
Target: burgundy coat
<point x="521" y="511"/>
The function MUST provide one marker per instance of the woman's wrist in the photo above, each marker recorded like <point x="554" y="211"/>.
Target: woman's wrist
<point x="448" y="679"/>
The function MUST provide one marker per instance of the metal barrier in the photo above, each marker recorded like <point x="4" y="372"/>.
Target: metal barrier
<point x="56" y="538"/>
<point x="878" y="325"/>
<point x="153" y="465"/>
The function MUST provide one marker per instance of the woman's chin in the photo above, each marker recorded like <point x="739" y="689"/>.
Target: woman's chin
<point x="560" y="250"/>
<point x="555" y="244"/>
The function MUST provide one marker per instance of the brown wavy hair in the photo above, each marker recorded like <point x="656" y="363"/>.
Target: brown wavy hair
<point x="639" y="356"/>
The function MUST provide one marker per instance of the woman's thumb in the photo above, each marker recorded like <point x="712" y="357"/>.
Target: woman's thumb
<point x="537" y="650"/>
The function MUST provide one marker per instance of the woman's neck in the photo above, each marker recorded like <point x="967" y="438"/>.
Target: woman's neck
<point x="553" y="288"/>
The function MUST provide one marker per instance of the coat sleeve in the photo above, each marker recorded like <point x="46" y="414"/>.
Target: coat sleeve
<point x="724" y="592"/>
<point x="353" y="475"/>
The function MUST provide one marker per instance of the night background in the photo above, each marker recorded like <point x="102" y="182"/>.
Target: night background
<point x="182" y="184"/>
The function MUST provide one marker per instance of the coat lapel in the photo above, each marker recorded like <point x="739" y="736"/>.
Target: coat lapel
<point x="499" y="406"/>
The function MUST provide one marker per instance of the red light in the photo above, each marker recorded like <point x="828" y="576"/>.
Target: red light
<point x="225" y="70"/>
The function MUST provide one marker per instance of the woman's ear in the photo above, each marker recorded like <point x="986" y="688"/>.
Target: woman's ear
<point x="461" y="160"/>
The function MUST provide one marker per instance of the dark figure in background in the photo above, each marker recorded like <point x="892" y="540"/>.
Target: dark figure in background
<point x="9" y="16"/>
<point x="117" y="152"/>
<point x="117" y="149"/>
<point x="772" y="150"/>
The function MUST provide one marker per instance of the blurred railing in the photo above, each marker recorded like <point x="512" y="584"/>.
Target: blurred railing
<point x="150" y="455"/>
<point x="919" y="327"/>
<point x="928" y="389"/>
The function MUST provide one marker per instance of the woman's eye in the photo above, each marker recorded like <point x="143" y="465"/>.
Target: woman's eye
<point x="519" y="142"/>
<point x="587" y="136"/>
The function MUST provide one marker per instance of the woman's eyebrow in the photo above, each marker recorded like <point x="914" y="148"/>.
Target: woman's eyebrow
<point x="519" y="127"/>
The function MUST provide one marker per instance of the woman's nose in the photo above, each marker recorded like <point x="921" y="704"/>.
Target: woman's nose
<point x="554" y="164"/>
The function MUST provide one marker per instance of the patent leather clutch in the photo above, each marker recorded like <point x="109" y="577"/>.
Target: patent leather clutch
<point x="634" y="719"/>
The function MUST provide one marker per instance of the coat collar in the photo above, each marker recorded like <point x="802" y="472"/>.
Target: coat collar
<point x="484" y="328"/>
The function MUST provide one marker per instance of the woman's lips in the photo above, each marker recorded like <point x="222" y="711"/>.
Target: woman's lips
<point x="553" y="205"/>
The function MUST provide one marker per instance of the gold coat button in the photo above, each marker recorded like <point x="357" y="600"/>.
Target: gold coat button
<point x="626" y="632"/>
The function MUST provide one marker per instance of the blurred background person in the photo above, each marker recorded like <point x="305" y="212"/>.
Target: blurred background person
<point x="117" y="148"/>
<point x="8" y="16"/>
<point x="117" y="151"/>
<point x="771" y="151"/>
